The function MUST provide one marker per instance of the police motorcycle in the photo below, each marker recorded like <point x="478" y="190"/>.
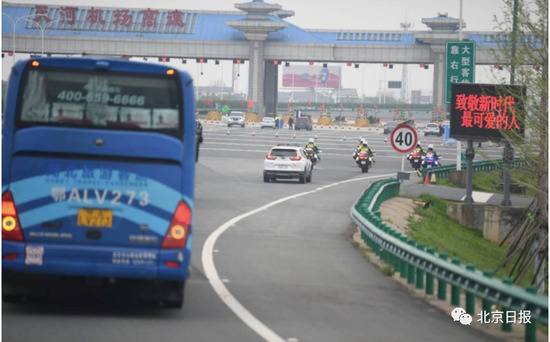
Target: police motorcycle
<point x="312" y="152"/>
<point x="312" y="155"/>
<point x="363" y="159"/>
<point x="430" y="159"/>
<point x="415" y="159"/>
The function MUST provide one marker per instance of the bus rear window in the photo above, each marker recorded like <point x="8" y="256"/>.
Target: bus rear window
<point x="100" y="100"/>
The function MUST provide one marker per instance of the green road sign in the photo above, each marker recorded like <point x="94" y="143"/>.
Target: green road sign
<point x="460" y="59"/>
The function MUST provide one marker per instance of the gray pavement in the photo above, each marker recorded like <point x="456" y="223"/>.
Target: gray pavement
<point x="292" y="266"/>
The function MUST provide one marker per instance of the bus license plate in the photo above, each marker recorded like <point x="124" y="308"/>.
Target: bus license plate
<point x="95" y="218"/>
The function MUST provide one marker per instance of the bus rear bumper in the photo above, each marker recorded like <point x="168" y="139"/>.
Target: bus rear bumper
<point x="106" y="262"/>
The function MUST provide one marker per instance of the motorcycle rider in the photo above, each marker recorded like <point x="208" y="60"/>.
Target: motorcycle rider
<point x="311" y="144"/>
<point x="415" y="158"/>
<point x="418" y="149"/>
<point x="431" y="149"/>
<point x="430" y="159"/>
<point x="360" y="143"/>
<point x="363" y="147"/>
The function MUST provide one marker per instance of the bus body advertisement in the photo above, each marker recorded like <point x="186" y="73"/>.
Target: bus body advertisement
<point x="98" y="172"/>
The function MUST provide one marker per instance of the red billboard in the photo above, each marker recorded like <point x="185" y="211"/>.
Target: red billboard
<point x="310" y="76"/>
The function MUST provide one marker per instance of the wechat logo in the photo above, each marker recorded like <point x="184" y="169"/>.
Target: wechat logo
<point x="460" y="315"/>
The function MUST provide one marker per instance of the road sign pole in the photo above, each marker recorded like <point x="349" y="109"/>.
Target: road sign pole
<point x="508" y="157"/>
<point x="403" y="163"/>
<point x="458" y="155"/>
<point x="469" y="171"/>
<point x="458" y="142"/>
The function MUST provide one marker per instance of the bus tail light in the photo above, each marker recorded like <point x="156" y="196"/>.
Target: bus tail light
<point x="10" y="256"/>
<point x="172" y="264"/>
<point x="178" y="231"/>
<point x="11" y="229"/>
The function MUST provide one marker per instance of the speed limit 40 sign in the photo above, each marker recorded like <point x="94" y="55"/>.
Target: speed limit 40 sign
<point x="403" y="138"/>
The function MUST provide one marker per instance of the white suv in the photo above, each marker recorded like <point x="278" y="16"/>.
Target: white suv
<point x="432" y="129"/>
<point x="235" y="118"/>
<point x="287" y="162"/>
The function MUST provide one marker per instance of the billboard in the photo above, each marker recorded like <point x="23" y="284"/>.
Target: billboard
<point x="481" y="111"/>
<point x="312" y="76"/>
<point x="111" y="19"/>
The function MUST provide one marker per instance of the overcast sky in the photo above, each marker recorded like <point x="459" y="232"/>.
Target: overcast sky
<point x="341" y="14"/>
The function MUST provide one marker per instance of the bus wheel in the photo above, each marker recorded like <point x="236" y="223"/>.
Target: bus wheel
<point x="172" y="297"/>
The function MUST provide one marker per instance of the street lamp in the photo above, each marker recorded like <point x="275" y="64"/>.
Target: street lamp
<point x="13" y="27"/>
<point x="26" y="18"/>
<point x="42" y="29"/>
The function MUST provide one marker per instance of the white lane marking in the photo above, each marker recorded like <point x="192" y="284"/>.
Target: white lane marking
<point x="218" y="285"/>
<point x="479" y="197"/>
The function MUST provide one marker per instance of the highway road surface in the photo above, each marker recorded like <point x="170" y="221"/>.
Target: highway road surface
<point x="266" y="264"/>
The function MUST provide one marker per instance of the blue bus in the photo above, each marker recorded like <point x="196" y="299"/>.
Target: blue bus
<point x="98" y="175"/>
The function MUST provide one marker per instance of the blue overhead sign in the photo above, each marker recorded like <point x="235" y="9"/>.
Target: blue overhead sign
<point x="110" y="19"/>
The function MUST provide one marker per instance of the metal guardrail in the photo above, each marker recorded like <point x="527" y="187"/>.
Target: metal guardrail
<point x="483" y="165"/>
<point x="422" y="265"/>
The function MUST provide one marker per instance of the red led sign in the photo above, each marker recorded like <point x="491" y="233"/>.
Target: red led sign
<point x="483" y="111"/>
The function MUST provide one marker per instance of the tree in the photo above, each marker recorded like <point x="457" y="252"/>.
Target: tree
<point x="525" y="50"/>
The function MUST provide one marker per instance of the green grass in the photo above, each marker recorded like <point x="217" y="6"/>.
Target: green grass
<point x="436" y="229"/>
<point x="490" y="181"/>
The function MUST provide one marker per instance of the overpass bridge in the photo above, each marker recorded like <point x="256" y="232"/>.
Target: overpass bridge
<point x="258" y="33"/>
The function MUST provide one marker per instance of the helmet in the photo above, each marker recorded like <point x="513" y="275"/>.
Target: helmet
<point x="418" y="145"/>
<point x="430" y="147"/>
<point x="311" y="140"/>
<point x="364" y="141"/>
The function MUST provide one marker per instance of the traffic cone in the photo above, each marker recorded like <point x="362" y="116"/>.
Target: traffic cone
<point x="294" y="136"/>
<point x="427" y="178"/>
<point x="433" y="179"/>
<point x="253" y="133"/>
<point x="277" y="134"/>
<point x="227" y="132"/>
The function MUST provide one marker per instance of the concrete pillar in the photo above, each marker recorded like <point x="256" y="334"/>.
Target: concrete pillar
<point x="271" y="87"/>
<point x="256" y="76"/>
<point x="439" y="78"/>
